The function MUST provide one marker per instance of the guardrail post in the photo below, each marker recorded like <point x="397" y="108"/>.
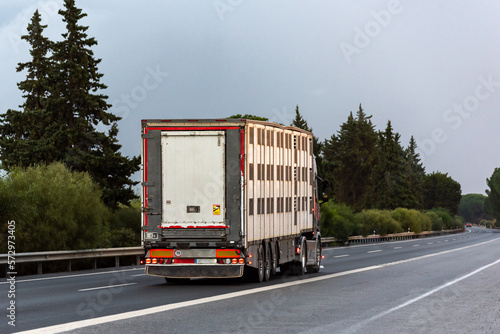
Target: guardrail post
<point x="137" y="260"/>
<point x="68" y="267"/>
<point x="39" y="268"/>
<point x="117" y="261"/>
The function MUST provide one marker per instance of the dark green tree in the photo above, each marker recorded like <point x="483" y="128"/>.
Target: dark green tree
<point x="441" y="191"/>
<point x="301" y="123"/>
<point x="415" y="172"/>
<point x="22" y="133"/>
<point x="392" y="186"/>
<point x="78" y="100"/>
<point x="471" y="207"/>
<point x="349" y="158"/>
<point x="492" y="204"/>
<point x="64" y="106"/>
<point x="248" y="116"/>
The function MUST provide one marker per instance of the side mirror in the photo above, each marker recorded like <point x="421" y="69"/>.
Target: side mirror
<point x="323" y="186"/>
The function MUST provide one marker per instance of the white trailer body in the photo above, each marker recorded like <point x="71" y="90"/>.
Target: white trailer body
<point x="224" y="197"/>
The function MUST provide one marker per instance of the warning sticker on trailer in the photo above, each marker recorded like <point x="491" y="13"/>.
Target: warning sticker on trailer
<point x="216" y="209"/>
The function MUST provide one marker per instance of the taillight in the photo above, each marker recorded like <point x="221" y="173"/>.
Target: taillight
<point x="148" y="261"/>
<point x="154" y="261"/>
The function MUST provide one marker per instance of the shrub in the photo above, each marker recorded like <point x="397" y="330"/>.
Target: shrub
<point x="448" y="221"/>
<point x="125" y="225"/>
<point x="436" y="221"/>
<point x="408" y="219"/>
<point x="337" y="220"/>
<point x="379" y="221"/>
<point x="54" y="209"/>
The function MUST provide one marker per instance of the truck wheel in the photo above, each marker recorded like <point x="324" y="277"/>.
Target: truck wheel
<point x="303" y="260"/>
<point x="267" y="263"/>
<point x="317" y="263"/>
<point x="274" y="260"/>
<point x="299" y="267"/>
<point x="259" y="273"/>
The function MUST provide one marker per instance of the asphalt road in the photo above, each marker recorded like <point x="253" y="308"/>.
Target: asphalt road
<point x="447" y="284"/>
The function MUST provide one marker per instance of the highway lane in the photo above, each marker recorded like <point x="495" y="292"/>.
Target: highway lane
<point x="58" y="299"/>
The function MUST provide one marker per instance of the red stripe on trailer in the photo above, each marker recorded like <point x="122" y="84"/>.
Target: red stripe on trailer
<point x="242" y="152"/>
<point x="199" y="128"/>
<point x="203" y="226"/>
<point x="145" y="177"/>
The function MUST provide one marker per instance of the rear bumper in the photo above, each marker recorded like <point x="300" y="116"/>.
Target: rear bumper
<point x="196" y="271"/>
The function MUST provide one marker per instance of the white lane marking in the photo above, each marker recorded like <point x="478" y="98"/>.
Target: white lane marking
<point x="375" y="251"/>
<point x="397" y="247"/>
<point x="321" y="267"/>
<point x="344" y="255"/>
<point x="416" y="245"/>
<point x="446" y="240"/>
<point x="138" y="275"/>
<point x="355" y="328"/>
<point x="71" y="276"/>
<point x="106" y="287"/>
<point x="152" y="310"/>
<point x="430" y="243"/>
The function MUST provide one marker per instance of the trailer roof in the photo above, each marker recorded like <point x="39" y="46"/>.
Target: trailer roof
<point x="215" y="122"/>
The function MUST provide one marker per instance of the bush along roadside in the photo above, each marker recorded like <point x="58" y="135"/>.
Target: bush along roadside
<point x="341" y="222"/>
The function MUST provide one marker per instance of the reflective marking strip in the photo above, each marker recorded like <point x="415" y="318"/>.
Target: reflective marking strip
<point x="161" y="253"/>
<point x="226" y="253"/>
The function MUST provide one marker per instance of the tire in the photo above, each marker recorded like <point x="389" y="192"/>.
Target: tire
<point x="259" y="271"/>
<point x="299" y="267"/>
<point x="317" y="264"/>
<point x="303" y="259"/>
<point x="274" y="260"/>
<point x="267" y="263"/>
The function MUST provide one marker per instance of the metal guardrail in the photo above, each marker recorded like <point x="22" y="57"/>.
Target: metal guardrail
<point x="69" y="255"/>
<point x="390" y="237"/>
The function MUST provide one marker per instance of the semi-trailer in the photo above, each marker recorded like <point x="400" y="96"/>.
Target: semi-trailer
<point x="224" y="198"/>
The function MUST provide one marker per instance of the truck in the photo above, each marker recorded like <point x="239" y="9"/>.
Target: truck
<point x="226" y="198"/>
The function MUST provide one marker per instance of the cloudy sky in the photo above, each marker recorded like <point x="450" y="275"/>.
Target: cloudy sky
<point x="431" y="67"/>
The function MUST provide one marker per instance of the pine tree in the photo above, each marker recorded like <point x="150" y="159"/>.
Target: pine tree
<point x="349" y="158"/>
<point x="299" y="121"/>
<point x="415" y="172"/>
<point x="22" y="133"/>
<point x="392" y="187"/>
<point x="80" y="105"/>
<point x="63" y="107"/>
